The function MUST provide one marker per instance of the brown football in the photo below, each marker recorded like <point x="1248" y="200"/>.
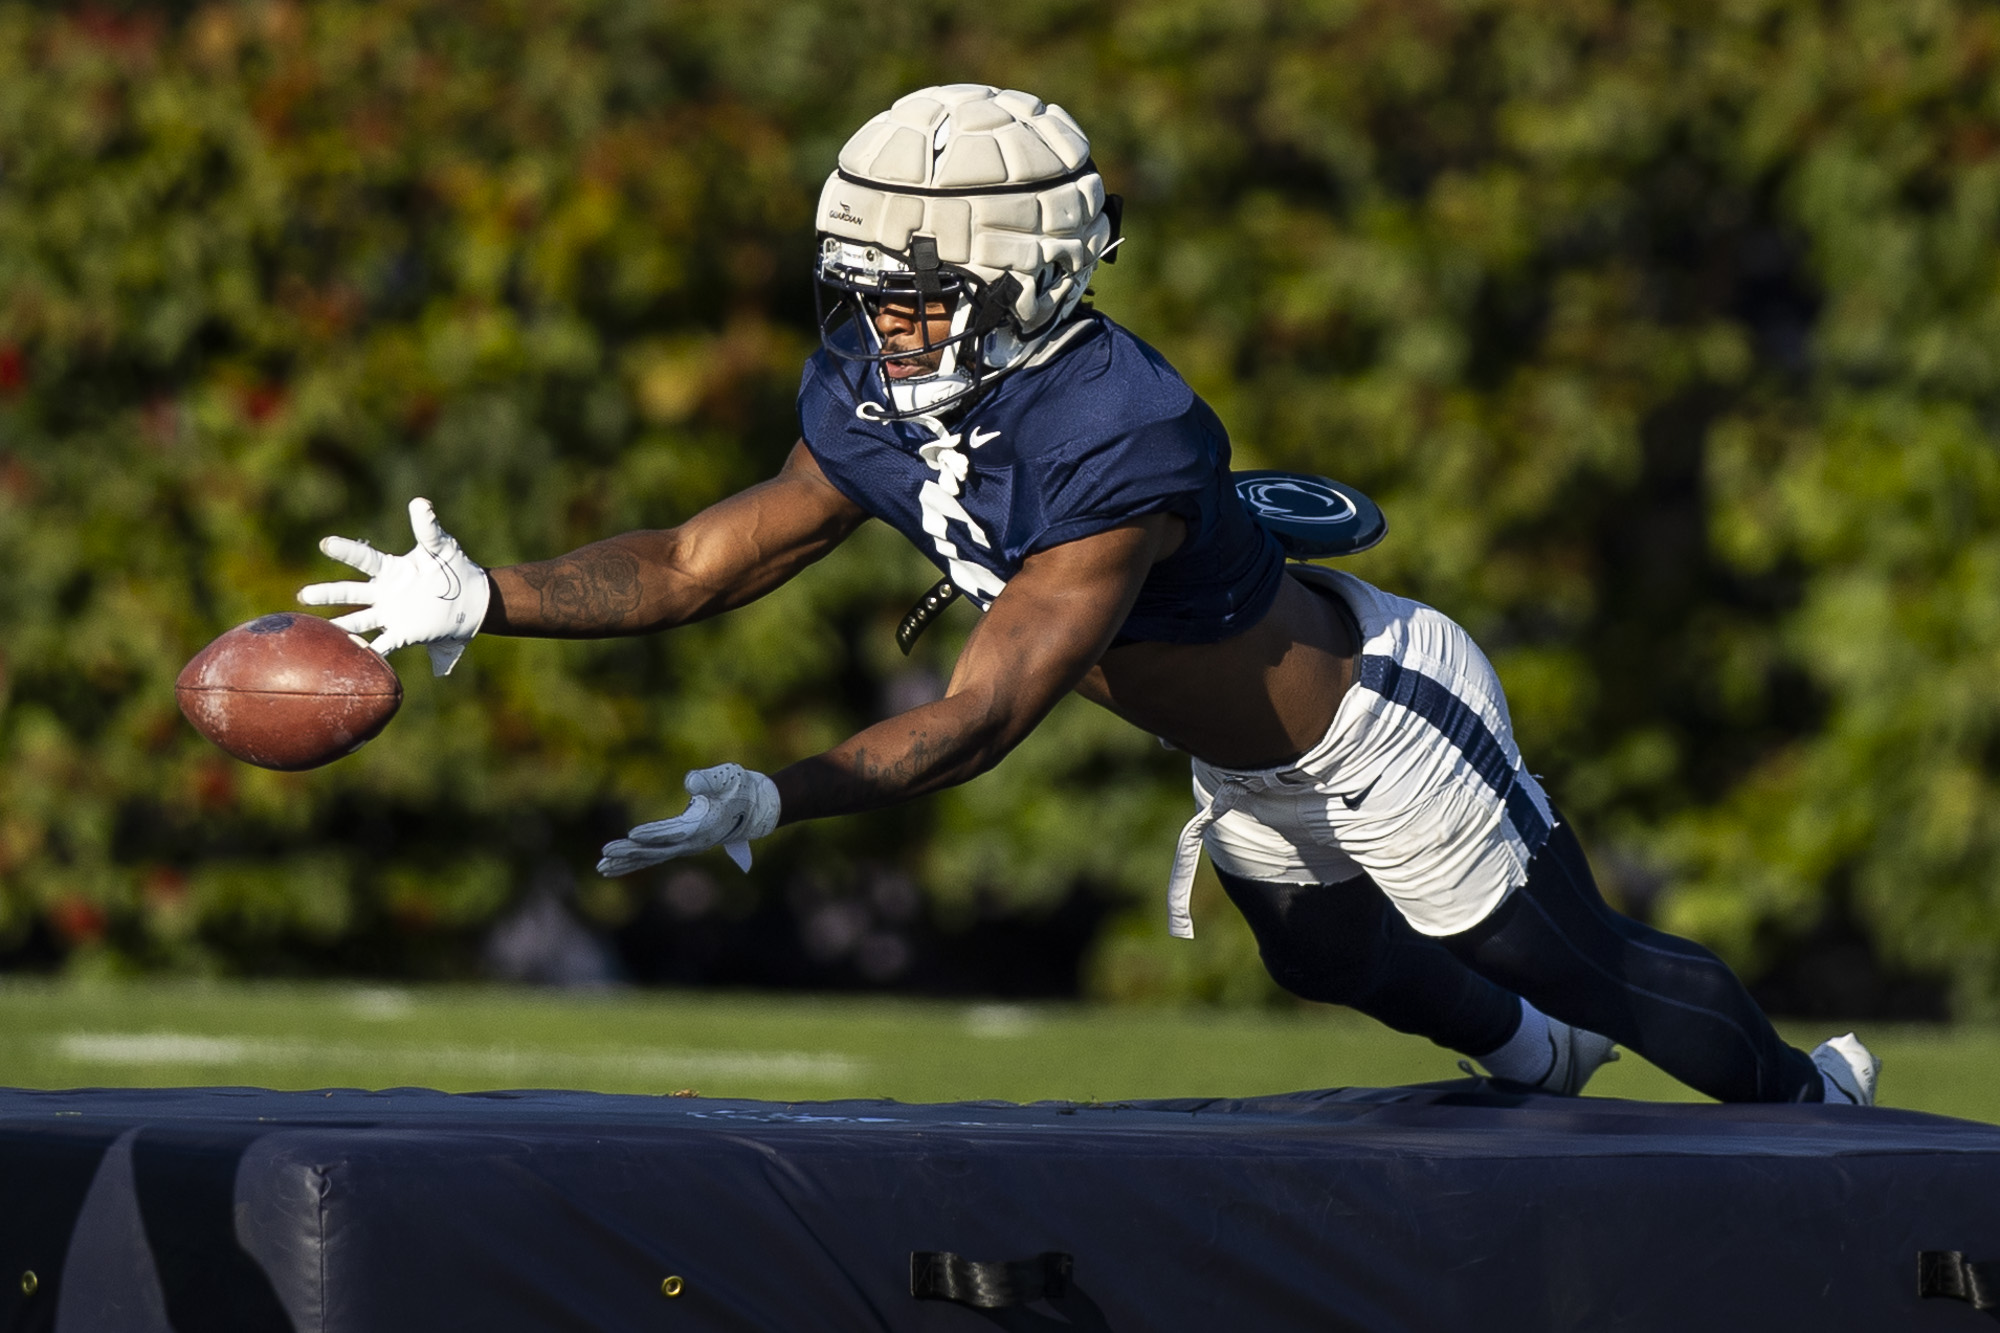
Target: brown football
<point x="288" y="691"/>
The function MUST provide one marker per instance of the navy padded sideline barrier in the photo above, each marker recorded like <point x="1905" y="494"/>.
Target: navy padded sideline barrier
<point x="1450" y="1206"/>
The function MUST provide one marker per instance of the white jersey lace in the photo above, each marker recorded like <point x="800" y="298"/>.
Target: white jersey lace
<point x="945" y="454"/>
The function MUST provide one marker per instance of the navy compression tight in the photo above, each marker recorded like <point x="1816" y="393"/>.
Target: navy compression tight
<point x="1554" y="941"/>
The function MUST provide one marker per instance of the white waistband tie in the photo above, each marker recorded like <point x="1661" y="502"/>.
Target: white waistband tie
<point x="1187" y="855"/>
<point x="1227" y="794"/>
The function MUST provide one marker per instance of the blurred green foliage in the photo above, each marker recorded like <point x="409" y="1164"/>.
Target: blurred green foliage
<point x="1665" y="331"/>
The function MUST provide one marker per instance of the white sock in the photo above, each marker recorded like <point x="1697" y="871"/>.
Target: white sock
<point x="1527" y="1056"/>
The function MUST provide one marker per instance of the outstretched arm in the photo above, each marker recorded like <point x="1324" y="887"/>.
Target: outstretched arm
<point x="731" y="553"/>
<point x="1042" y="634"/>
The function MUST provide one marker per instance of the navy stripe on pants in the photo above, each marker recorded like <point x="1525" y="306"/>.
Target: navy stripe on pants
<point x="1456" y="721"/>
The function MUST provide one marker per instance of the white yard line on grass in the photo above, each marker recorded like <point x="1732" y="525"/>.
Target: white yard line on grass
<point x="1000" y="1020"/>
<point x="188" y="1048"/>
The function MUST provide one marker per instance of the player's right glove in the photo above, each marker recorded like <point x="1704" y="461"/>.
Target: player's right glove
<point x="434" y="595"/>
<point x="731" y="805"/>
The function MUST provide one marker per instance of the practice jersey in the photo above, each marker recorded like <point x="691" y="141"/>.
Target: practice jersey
<point x="1102" y="432"/>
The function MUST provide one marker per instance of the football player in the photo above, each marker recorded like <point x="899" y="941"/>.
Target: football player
<point x="1358" y="785"/>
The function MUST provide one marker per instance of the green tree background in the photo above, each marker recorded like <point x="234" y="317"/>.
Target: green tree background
<point x="1667" y="333"/>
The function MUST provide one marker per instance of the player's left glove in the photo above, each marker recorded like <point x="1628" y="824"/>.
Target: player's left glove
<point x="730" y="806"/>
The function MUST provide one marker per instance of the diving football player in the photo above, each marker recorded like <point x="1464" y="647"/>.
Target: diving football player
<point x="1358" y="785"/>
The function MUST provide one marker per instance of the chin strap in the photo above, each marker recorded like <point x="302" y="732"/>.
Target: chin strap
<point x="947" y="381"/>
<point x="998" y="307"/>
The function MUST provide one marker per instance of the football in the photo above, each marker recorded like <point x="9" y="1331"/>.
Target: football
<point x="288" y="691"/>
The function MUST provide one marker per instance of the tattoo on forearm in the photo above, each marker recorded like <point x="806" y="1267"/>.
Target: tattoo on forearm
<point x="866" y="777"/>
<point x="894" y="771"/>
<point x="585" y="590"/>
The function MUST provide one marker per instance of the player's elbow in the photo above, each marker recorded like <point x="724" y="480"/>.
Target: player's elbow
<point x="996" y="723"/>
<point x="983" y="755"/>
<point x="695" y="575"/>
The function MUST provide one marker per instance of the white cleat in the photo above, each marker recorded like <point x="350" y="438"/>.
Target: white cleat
<point x="1579" y="1054"/>
<point x="1849" y="1067"/>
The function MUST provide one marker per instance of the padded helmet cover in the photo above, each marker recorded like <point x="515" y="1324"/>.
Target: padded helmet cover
<point x="1002" y="180"/>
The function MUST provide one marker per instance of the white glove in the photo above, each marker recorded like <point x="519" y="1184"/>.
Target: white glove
<point x="434" y="595"/>
<point x="731" y="805"/>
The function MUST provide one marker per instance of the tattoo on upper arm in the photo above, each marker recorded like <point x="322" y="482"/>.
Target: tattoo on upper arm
<point x="585" y="591"/>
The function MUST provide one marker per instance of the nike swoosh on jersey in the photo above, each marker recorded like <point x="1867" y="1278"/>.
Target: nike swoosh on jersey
<point x="979" y="437"/>
<point x="1354" y="802"/>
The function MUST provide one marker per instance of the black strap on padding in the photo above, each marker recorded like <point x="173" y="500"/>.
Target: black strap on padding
<point x="942" y="594"/>
<point x="1075" y="173"/>
<point x="1950" y="1273"/>
<point x="940" y="1275"/>
<point x="996" y="306"/>
<point x="1114" y="208"/>
<point x="924" y="265"/>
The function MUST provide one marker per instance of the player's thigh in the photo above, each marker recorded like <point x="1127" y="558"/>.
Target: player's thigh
<point x="1326" y="942"/>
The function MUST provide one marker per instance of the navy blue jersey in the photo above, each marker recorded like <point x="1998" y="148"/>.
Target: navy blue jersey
<point x="1103" y="432"/>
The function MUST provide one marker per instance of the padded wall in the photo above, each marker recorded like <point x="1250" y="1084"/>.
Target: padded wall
<point x="1451" y="1206"/>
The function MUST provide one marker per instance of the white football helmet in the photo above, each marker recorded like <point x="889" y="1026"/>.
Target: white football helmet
<point x="983" y="198"/>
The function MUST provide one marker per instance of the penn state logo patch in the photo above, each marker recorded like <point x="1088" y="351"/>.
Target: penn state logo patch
<point x="1312" y="517"/>
<point x="1311" y="501"/>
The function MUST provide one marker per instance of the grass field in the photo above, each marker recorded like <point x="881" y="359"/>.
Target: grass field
<point x="789" y="1048"/>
